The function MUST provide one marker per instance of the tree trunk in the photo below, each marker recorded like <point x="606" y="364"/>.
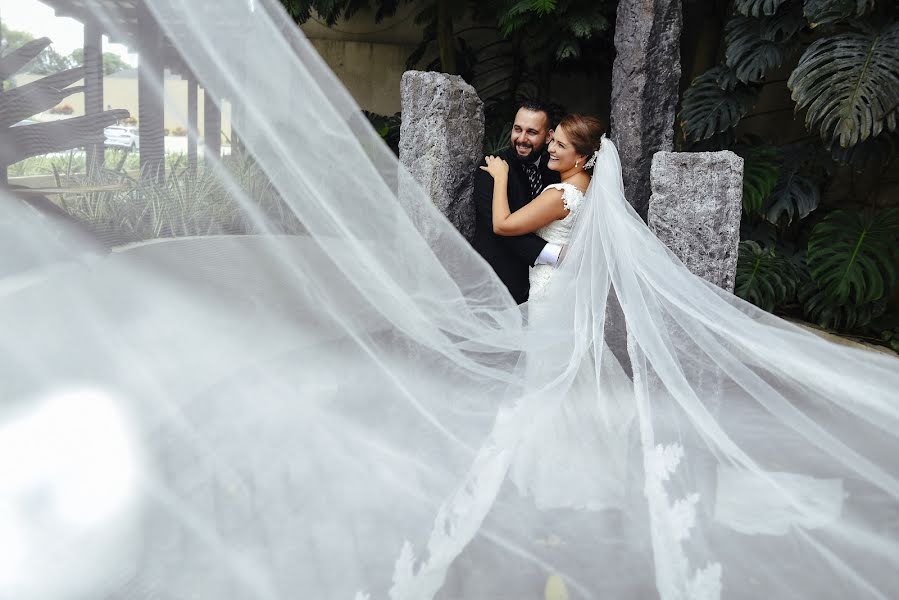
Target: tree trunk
<point x="445" y="38"/>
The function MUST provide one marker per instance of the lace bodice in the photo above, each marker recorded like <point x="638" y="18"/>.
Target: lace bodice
<point x="557" y="232"/>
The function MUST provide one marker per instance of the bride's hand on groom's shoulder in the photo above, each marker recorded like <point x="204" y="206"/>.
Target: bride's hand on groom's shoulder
<point x="496" y="166"/>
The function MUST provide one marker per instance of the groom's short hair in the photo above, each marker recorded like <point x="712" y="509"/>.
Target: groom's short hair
<point x="537" y="106"/>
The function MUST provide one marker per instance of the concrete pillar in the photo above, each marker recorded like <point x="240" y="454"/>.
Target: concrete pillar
<point x="192" y="131"/>
<point x="441" y="143"/>
<point x="93" y="88"/>
<point x="212" y="127"/>
<point x="150" y="97"/>
<point x="645" y="86"/>
<point x="695" y="210"/>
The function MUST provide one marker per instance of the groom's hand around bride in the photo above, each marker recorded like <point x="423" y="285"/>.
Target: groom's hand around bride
<point x="496" y="166"/>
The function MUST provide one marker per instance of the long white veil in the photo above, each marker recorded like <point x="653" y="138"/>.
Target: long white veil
<point x="316" y="400"/>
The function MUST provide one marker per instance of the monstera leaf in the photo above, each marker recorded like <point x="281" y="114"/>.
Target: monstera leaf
<point x="764" y="277"/>
<point x="761" y="172"/>
<point x="820" y="308"/>
<point x="823" y="12"/>
<point x="757" y="8"/>
<point x="849" y="83"/>
<point x="795" y="195"/>
<point x="715" y="102"/>
<point x="851" y="255"/>
<point x="757" y="45"/>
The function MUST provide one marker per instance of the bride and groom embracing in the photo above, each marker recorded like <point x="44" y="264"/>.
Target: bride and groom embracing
<point x="526" y="200"/>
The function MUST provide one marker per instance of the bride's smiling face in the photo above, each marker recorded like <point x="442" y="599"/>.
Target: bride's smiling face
<point x="562" y="155"/>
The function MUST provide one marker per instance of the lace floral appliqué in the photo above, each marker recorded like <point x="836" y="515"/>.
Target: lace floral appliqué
<point x="671" y="525"/>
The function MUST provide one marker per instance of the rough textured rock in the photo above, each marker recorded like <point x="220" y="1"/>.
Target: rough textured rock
<point x="645" y="85"/>
<point x="441" y="143"/>
<point x="695" y="209"/>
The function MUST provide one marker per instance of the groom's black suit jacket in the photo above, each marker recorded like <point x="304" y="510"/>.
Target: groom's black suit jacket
<point x="510" y="257"/>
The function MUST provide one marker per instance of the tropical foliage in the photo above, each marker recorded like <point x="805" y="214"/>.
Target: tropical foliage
<point x="835" y="266"/>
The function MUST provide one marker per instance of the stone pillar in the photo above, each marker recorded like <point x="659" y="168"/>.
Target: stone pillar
<point x="695" y="210"/>
<point x="441" y="143"/>
<point x="645" y="86"/>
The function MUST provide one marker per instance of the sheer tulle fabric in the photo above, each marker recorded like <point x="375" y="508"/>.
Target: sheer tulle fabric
<point x="361" y="411"/>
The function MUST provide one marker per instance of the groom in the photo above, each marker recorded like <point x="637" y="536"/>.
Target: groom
<point x="511" y="257"/>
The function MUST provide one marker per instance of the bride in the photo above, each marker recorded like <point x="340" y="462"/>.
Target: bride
<point x="344" y="402"/>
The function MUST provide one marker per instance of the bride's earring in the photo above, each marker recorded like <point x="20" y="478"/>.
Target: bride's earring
<point x="577" y="163"/>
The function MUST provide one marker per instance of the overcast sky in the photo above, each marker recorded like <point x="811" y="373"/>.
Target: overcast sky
<point x="39" y="20"/>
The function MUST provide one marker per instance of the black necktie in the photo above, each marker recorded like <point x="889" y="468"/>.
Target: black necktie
<point x="533" y="178"/>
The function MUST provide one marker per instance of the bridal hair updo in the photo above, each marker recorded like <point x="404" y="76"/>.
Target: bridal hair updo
<point x="584" y="132"/>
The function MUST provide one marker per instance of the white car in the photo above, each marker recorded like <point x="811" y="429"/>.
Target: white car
<point x="122" y="136"/>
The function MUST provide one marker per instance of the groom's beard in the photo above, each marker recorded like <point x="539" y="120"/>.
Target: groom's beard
<point x="533" y="152"/>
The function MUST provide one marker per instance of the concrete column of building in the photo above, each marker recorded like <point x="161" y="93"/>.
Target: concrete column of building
<point x="4" y="180"/>
<point x="212" y="127"/>
<point x="192" y="131"/>
<point x="695" y="210"/>
<point x="645" y="87"/>
<point x="93" y="88"/>
<point x="237" y="146"/>
<point x="151" y="96"/>
<point x="441" y="146"/>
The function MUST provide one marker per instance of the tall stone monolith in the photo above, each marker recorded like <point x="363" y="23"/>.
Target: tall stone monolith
<point x="441" y="144"/>
<point x="645" y="87"/>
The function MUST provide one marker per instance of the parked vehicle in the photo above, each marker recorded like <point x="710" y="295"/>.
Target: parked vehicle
<point x="122" y="136"/>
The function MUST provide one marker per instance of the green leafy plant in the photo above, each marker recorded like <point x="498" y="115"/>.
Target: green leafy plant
<point x="795" y="196"/>
<point x="886" y="329"/>
<point x="764" y="276"/>
<point x="756" y="46"/>
<point x="844" y="86"/>
<point x="715" y="102"/>
<point x="824" y="12"/>
<point x="849" y="84"/>
<point x="757" y="8"/>
<point x="820" y="309"/>
<point x="388" y="127"/>
<point x="851" y="255"/>
<point x="499" y="139"/>
<point x="761" y="172"/>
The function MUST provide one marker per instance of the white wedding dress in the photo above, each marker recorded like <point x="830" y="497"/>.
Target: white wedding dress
<point x="342" y="401"/>
<point x="578" y="437"/>
<point x="557" y="232"/>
